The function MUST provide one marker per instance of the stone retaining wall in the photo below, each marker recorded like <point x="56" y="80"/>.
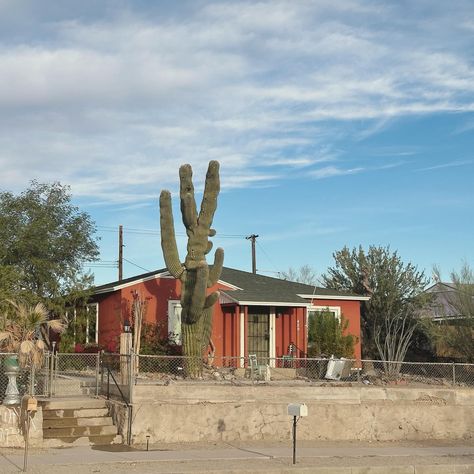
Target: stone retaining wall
<point x="11" y="434"/>
<point x="188" y="412"/>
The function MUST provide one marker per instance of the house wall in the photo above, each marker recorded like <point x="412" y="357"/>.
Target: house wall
<point x="350" y="310"/>
<point x="116" y="307"/>
<point x="226" y="331"/>
<point x="110" y="325"/>
<point x="290" y="325"/>
<point x="290" y="322"/>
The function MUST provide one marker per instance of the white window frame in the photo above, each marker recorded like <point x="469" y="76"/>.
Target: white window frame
<point x="320" y="309"/>
<point x="96" y="336"/>
<point x="174" y="325"/>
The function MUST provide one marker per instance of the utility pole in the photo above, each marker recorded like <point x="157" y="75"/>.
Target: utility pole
<point x="120" y="254"/>
<point x="253" y="239"/>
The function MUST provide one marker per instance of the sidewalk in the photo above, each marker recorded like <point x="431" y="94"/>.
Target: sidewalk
<point x="312" y="457"/>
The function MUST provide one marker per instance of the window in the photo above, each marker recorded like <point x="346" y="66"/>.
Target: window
<point x="315" y="310"/>
<point x="174" y="321"/>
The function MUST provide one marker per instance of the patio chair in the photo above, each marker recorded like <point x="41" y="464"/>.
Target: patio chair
<point x="258" y="371"/>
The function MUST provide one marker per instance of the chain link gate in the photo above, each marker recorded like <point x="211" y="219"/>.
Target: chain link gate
<point x="74" y="374"/>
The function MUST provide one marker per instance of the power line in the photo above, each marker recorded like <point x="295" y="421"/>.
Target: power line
<point x="133" y="230"/>
<point x="268" y="258"/>
<point x="136" y="265"/>
<point x="100" y="266"/>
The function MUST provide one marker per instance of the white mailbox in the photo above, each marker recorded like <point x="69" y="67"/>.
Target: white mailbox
<point x="297" y="409"/>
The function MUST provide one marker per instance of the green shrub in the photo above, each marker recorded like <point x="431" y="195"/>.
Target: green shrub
<point x="327" y="335"/>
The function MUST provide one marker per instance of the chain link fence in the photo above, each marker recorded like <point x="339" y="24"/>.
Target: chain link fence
<point x="149" y="369"/>
<point x="16" y="382"/>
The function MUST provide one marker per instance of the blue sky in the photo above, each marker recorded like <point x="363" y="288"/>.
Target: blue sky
<point x="335" y="123"/>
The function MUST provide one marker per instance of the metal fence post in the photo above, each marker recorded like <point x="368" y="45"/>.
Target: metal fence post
<point x="45" y="377"/>
<point x="131" y="370"/>
<point x="131" y="377"/>
<point x="32" y="380"/>
<point x="97" y="371"/>
<point x="102" y="365"/>
<point x="454" y="373"/>
<point x="51" y="375"/>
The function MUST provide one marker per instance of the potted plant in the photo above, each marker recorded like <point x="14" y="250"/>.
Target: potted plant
<point x="21" y="336"/>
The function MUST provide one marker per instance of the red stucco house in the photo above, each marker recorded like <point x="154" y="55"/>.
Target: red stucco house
<point x="255" y="314"/>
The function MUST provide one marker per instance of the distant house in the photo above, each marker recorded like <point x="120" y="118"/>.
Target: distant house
<point x="255" y="314"/>
<point x="441" y="307"/>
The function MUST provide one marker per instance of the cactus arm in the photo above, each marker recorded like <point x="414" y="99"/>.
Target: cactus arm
<point x="209" y="247"/>
<point x="186" y="193"/>
<point x="168" y="241"/>
<point x="216" y="270"/>
<point x="209" y="200"/>
<point x="211" y="299"/>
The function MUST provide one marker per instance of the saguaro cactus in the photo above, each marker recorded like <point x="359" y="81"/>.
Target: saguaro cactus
<point x="195" y="274"/>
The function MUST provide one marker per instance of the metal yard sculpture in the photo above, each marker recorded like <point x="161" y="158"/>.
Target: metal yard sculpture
<point x="195" y="274"/>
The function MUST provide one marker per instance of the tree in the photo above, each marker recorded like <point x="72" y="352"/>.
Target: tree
<point x="305" y="274"/>
<point x="195" y="274"/>
<point x="44" y="242"/>
<point x="457" y="333"/>
<point x="395" y="289"/>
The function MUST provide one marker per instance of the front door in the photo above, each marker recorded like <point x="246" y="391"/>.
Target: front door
<point x="258" y="334"/>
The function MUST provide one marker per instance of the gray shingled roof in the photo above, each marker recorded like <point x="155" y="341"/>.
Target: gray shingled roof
<point x="251" y="287"/>
<point x="260" y="288"/>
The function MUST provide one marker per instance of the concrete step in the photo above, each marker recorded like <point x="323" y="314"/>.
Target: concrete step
<point x="79" y="431"/>
<point x="72" y="413"/>
<point x="73" y="403"/>
<point x="75" y="421"/>
<point x="82" y="441"/>
<point x="74" y="391"/>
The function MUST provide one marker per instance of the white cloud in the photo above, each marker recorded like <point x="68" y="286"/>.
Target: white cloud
<point x="113" y="104"/>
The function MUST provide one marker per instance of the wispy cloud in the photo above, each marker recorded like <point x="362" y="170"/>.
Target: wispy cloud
<point x="330" y="171"/>
<point x="112" y="102"/>
<point x="451" y="164"/>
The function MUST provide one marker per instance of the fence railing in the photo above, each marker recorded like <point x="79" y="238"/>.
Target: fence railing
<point x="114" y="375"/>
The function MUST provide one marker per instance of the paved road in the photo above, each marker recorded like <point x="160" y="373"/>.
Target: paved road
<point x="318" y="458"/>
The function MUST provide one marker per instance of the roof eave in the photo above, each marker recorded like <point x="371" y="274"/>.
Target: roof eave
<point x="120" y="286"/>
<point x="336" y="297"/>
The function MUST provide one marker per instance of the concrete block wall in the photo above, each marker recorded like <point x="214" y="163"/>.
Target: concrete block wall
<point x="189" y="412"/>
